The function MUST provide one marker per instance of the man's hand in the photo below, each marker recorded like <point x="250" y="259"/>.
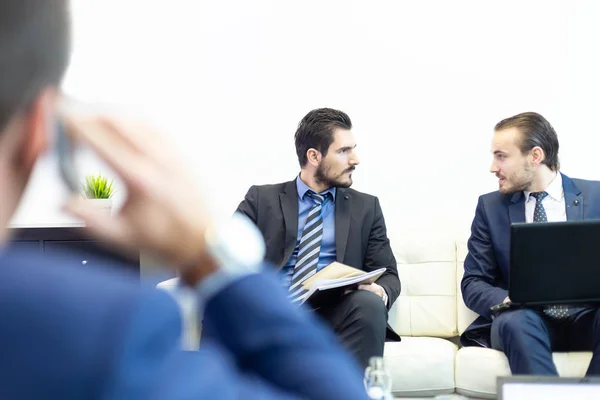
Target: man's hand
<point x="163" y="213"/>
<point x="375" y="288"/>
<point x="506" y="300"/>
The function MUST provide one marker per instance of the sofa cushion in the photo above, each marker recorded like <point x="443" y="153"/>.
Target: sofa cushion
<point x="427" y="270"/>
<point x="421" y="366"/>
<point x="477" y="369"/>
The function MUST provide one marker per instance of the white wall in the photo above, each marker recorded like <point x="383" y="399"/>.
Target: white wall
<point x="423" y="81"/>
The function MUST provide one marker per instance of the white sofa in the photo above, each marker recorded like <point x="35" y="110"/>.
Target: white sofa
<point x="430" y="316"/>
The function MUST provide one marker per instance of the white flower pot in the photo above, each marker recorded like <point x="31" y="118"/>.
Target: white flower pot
<point x="101" y="205"/>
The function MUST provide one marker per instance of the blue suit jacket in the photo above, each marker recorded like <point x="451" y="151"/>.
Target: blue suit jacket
<point x="485" y="282"/>
<point x="88" y="334"/>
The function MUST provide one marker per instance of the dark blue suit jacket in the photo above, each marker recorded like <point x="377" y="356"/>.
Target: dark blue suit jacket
<point x="485" y="282"/>
<point x="84" y="334"/>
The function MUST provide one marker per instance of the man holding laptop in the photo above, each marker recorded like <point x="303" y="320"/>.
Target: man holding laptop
<point x="531" y="189"/>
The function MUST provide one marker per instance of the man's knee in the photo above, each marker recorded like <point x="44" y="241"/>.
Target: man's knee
<point x="367" y="306"/>
<point x="514" y="322"/>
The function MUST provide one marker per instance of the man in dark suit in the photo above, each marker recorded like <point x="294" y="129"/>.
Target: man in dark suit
<point x="531" y="189"/>
<point x="91" y="334"/>
<point x="317" y="219"/>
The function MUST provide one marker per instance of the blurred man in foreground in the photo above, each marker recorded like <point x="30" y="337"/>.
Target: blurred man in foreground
<point x="82" y="334"/>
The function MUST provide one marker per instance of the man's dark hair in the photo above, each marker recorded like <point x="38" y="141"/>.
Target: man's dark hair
<point x="535" y="131"/>
<point x="316" y="131"/>
<point x="34" y="51"/>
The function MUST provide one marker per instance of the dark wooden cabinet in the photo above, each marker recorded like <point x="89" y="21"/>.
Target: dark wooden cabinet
<point x="29" y="246"/>
<point x="84" y="251"/>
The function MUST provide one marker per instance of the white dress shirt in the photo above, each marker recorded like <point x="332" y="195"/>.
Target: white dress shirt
<point x="554" y="203"/>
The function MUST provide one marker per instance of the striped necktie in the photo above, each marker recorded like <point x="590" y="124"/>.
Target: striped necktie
<point x="309" y="248"/>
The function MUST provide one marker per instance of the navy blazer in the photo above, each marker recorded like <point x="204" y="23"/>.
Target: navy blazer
<point x="485" y="281"/>
<point x="88" y="334"/>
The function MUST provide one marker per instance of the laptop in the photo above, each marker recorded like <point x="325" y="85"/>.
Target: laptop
<point x="521" y="387"/>
<point x="555" y="263"/>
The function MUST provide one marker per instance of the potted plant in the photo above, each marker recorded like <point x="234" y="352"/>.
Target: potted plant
<point x="99" y="191"/>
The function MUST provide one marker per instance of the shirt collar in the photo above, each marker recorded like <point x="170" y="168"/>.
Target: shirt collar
<point x="555" y="189"/>
<point x="302" y="188"/>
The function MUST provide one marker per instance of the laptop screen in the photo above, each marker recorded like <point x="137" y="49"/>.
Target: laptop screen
<point x="554" y="263"/>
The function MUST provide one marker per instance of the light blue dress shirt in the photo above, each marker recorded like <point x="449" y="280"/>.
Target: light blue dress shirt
<point x="305" y="203"/>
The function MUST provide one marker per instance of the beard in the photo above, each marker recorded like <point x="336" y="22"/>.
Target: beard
<point x="323" y="176"/>
<point x="517" y="182"/>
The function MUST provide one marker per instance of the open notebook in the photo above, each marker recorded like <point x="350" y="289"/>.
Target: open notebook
<point x="336" y="276"/>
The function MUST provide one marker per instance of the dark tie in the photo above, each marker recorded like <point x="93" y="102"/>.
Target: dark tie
<point x="309" y="248"/>
<point x="557" y="312"/>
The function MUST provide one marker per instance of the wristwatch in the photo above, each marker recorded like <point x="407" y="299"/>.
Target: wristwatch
<point x="236" y="244"/>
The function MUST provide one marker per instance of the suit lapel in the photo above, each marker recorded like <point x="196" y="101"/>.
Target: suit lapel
<point x="342" y="222"/>
<point x="516" y="208"/>
<point x="289" y="207"/>
<point x="573" y="199"/>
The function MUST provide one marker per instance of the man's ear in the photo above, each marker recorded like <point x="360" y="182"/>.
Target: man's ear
<point x="537" y="155"/>
<point x="37" y="125"/>
<point x="313" y="156"/>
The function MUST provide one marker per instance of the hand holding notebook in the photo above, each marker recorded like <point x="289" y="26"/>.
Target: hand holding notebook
<point x="337" y="276"/>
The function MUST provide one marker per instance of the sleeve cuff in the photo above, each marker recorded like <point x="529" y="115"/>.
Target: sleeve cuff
<point x="216" y="282"/>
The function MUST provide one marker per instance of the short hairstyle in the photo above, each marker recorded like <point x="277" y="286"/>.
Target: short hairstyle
<point x="316" y="131"/>
<point x="535" y="131"/>
<point x="34" y="51"/>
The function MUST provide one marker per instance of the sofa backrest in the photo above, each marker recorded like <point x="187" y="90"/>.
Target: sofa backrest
<point x="430" y="266"/>
<point x="427" y="305"/>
